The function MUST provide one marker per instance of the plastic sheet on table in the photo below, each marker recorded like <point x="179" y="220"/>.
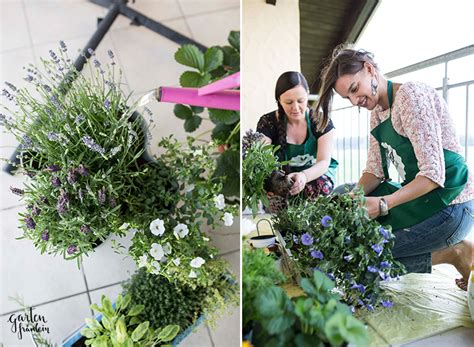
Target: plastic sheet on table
<point x="424" y="305"/>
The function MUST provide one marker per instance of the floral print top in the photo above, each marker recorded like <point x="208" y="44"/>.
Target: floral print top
<point x="420" y="114"/>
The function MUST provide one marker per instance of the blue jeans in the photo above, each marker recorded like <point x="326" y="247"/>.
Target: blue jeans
<point x="414" y="245"/>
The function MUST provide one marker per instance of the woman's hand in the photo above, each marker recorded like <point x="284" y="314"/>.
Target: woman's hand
<point x="372" y="204"/>
<point x="299" y="181"/>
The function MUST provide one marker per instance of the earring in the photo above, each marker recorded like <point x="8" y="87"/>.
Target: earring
<point x="374" y="85"/>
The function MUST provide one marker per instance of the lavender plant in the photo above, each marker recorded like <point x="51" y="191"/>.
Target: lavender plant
<point x="335" y="235"/>
<point x="78" y="144"/>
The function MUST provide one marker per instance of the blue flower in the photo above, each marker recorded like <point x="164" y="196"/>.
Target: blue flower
<point x="30" y="223"/>
<point x="359" y="287"/>
<point x="317" y="254"/>
<point x="383" y="275"/>
<point x="331" y="276"/>
<point x="348" y="258"/>
<point x="387" y="303"/>
<point x="306" y="239"/>
<point x="370" y="307"/>
<point x="107" y="104"/>
<point x="372" y="269"/>
<point x="378" y="249"/>
<point x="385" y="265"/>
<point x="385" y="233"/>
<point x="326" y="221"/>
<point x="295" y="239"/>
<point x="347" y="239"/>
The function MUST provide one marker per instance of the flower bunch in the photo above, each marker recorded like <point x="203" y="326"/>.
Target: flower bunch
<point x="335" y="235"/>
<point x="79" y="140"/>
<point x="178" y="194"/>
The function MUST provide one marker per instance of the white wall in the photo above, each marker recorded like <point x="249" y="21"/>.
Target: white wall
<point x="270" y="46"/>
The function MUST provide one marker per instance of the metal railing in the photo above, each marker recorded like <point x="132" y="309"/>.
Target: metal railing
<point x="446" y="73"/>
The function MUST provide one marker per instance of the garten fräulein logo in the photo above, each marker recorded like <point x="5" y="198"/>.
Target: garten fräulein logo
<point x="27" y="322"/>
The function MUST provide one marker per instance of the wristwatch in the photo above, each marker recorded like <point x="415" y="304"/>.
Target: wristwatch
<point x="383" y="207"/>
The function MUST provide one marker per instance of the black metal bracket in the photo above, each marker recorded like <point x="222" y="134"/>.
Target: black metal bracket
<point x="115" y="7"/>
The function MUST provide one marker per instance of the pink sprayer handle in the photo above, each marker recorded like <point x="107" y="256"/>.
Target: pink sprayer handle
<point x="224" y="99"/>
<point x="229" y="82"/>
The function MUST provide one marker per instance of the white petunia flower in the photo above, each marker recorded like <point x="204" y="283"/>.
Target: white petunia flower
<point x="167" y="248"/>
<point x="219" y="201"/>
<point x="211" y="256"/>
<point x="124" y="226"/>
<point x="228" y="219"/>
<point x="157" y="251"/>
<point x="142" y="261"/>
<point x="197" y="152"/>
<point x="189" y="188"/>
<point x="157" y="227"/>
<point x="176" y="261"/>
<point x="156" y="268"/>
<point x="197" y="262"/>
<point x="180" y="231"/>
<point x="192" y="274"/>
<point x="205" y="238"/>
<point x="248" y="226"/>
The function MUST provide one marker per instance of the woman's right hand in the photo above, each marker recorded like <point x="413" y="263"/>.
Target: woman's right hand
<point x="299" y="182"/>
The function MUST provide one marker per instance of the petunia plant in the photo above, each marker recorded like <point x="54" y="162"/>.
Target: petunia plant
<point x="79" y="141"/>
<point x="335" y="235"/>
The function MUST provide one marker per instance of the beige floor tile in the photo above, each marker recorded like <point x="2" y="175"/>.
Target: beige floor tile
<point x="227" y="331"/>
<point x="13" y="26"/>
<point x="227" y="239"/>
<point x="193" y="7"/>
<point x="460" y="337"/>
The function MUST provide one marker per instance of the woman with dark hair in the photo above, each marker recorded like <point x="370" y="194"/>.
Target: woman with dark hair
<point x="432" y="211"/>
<point x="307" y="147"/>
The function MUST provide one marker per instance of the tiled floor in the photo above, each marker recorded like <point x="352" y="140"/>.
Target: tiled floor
<point x="29" y="28"/>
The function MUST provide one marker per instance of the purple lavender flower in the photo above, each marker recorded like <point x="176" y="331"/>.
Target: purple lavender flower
<point x="63" y="46"/>
<point x="387" y="303"/>
<point x="30" y="223"/>
<point x="383" y="275"/>
<point x="112" y="202"/>
<point x="372" y="269"/>
<point x="295" y="239"/>
<point x="79" y="118"/>
<point x="52" y="136"/>
<point x="55" y="102"/>
<point x="71" y="249"/>
<point x="11" y="86"/>
<point x="385" y="265"/>
<point x="29" y="78"/>
<point x="378" y="249"/>
<point x="35" y="211"/>
<point x="101" y="196"/>
<point x="385" y="233"/>
<point x="359" y="287"/>
<point x="54" y="57"/>
<point x="370" y="307"/>
<point x="306" y="239"/>
<point x="347" y="276"/>
<point x="326" y="221"/>
<point x="317" y="254"/>
<point x="45" y="235"/>
<point x="85" y="229"/>
<point x="90" y="51"/>
<point x="56" y="182"/>
<point x="47" y="88"/>
<point x="96" y="63"/>
<point x="26" y="142"/>
<point x="89" y="142"/>
<point x="71" y="177"/>
<point x="82" y="170"/>
<point x="17" y="191"/>
<point x="62" y="203"/>
<point x="111" y="54"/>
<point x="52" y="168"/>
<point x="107" y="104"/>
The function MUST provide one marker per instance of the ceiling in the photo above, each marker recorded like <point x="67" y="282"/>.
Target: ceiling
<point x="324" y="24"/>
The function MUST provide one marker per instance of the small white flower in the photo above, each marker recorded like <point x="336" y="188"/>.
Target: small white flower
<point x="189" y="188"/>
<point x="176" y="261"/>
<point x="157" y="251"/>
<point x="219" y="201"/>
<point x="167" y="248"/>
<point x="247" y="226"/>
<point x="156" y="268"/>
<point x="205" y="238"/>
<point x="192" y="274"/>
<point x="228" y="219"/>
<point x="142" y="261"/>
<point x="211" y="256"/>
<point x="124" y="226"/>
<point x="197" y="262"/>
<point x="197" y="152"/>
<point x="157" y="227"/>
<point x="180" y="231"/>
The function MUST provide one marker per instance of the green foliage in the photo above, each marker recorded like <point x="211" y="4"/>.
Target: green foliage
<point x="215" y="63"/>
<point x="77" y="146"/>
<point x="121" y="326"/>
<point x="258" y="272"/>
<point x="315" y="319"/>
<point x="336" y="235"/>
<point x="168" y="302"/>
<point x="259" y="162"/>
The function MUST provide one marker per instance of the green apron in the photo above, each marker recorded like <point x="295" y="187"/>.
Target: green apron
<point x="401" y="153"/>
<point x="303" y="156"/>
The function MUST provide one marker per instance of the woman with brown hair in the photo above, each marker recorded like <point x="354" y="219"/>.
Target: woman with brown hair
<point x="432" y="211"/>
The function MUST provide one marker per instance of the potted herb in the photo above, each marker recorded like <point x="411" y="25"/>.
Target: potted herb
<point x="79" y="145"/>
<point x="336" y="235"/>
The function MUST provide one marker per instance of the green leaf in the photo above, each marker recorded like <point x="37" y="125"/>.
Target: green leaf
<point x="168" y="333"/>
<point x="223" y="116"/>
<point x="126" y="301"/>
<point x="221" y="131"/>
<point x="106" y="323"/>
<point x="182" y="111"/>
<point x="190" y="55"/>
<point x="87" y="332"/>
<point x="121" y="330"/>
<point x="140" y="331"/>
<point x="134" y="321"/>
<point x="197" y="109"/>
<point x="213" y="58"/>
<point x="107" y="306"/>
<point x="193" y="79"/>
<point x="192" y="124"/>
<point x="234" y="39"/>
<point x="136" y="310"/>
<point x="93" y="323"/>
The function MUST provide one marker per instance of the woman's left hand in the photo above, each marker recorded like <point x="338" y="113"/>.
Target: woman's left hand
<point x="372" y="204"/>
<point x="299" y="181"/>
